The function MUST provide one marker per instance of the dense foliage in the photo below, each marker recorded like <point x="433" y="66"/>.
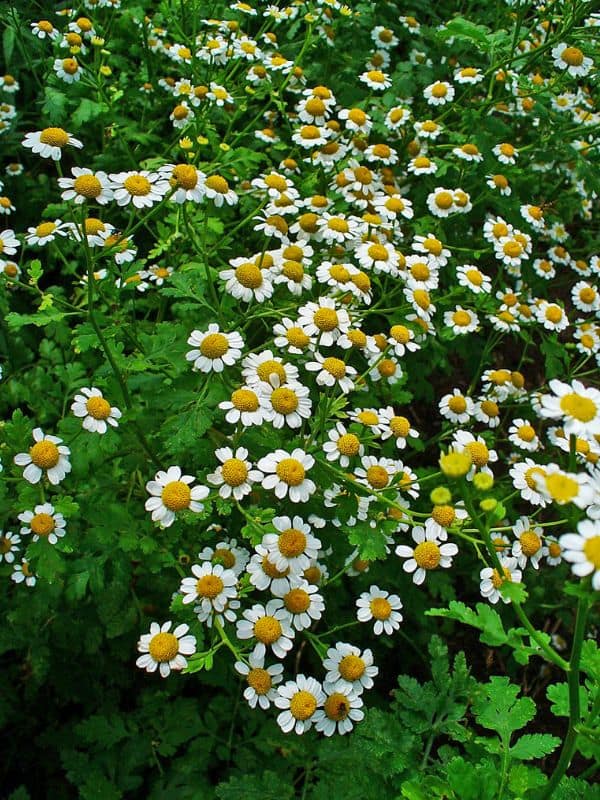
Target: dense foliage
<point x="299" y="349"/>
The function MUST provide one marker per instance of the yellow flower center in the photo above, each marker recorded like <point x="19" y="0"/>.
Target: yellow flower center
<point x="249" y="275"/>
<point x="530" y="476"/>
<point x="512" y="249"/>
<point x="439" y="90"/>
<point x="461" y="318"/>
<point x="400" y="427"/>
<point x="315" y="106"/>
<point x="42" y="524"/>
<point x="293" y="271"/>
<point x="455" y="465"/>
<point x="381" y="151"/>
<point x="457" y="404"/>
<point x="348" y="444"/>
<point x="44" y="454"/>
<point x="335" y="367"/>
<point x="185" y="176"/>
<point x="337" y="706"/>
<point x="376" y="76"/>
<point x="377" y="252"/>
<point x="292" y="543"/>
<point x="352" y="668"/>
<point x="572" y="56"/>
<point x="303" y="705"/>
<point x="357" y="116"/>
<point x="500" y="181"/>
<point x="98" y="408"/>
<point x="479" y="453"/>
<point x="209" y="586"/>
<point x="526" y="433"/>
<point x="470" y="149"/>
<point x="137" y="185"/>
<point x="176" y="495"/>
<point x="377" y="476"/>
<point x="338" y="224"/>
<point x="217" y="184"/>
<point x="181" y="112"/>
<point x="498" y="580"/>
<point x="234" y="472"/>
<point x="70" y="66"/>
<point x="224" y="557"/>
<point x="260" y="680"/>
<point x="297" y="338"/>
<point x="214" y="345"/>
<point x="368" y="418"/>
<point x="561" y="488"/>
<point x="45" y="25"/>
<point x="554" y="549"/>
<point x="362" y="281"/>
<point x="444" y="200"/>
<point x="88" y="186"/>
<point x="380" y="608"/>
<point x="284" y="400"/>
<point x="587" y="294"/>
<point x="421" y="298"/>
<point x="164" y="647"/>
<point x="326" y="319"/>
<point x="530" y="543"/>
<point x="291" y="471"/>
<point x="271" y="570"/>
<point x="578" y="407"/>
<point x="269" y="368"/>
<point x="297" y="601"/>
<point x="427" y="555"/>
<point x="554" y="314"/>
<point x="339" y="273"/>
<point x="309" y="132"/>
<point x="45" y="229"/>
<point x="244" y="400"/>
<point x="443" y="515"/>
<point x="386" y="368"/>
<point x="267" y="629"/>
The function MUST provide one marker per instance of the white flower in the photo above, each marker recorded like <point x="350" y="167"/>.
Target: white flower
<point x="288" y="334"/>
<point x="22" y="572"/>
<point x="381" y="606"/>
<point x="234" y="475"/>
<point x="506" y="153"/>
<point x="68" y="70"/>
<point x="286" y="474"/>
<point x="522" y="434"/>
<point x="245" y="406"/>
<point x="293" y="547"/>
<point x="142" y="188"/>
<point x="9" y="545"/>
<point x="525" y="475"/>
<point x="332" y="372"/>
<point x="299" y="700"/>
<point x="398" y="427"/>
<point x="461" y="320"/>
<point x="270" y="626"/>
<point x="226" y="553"/>
<point x="303" y="602"/>
<point x="45" y="232"/>
<point x="49" y="142"/>
<point x="439" y="93"/>
<point x="429" y="554"/>
<point x="342" y="707"/>
<point x="213" y="349"/>
<point x="572" y="60"/>
<point x="375" y="79"/>
<point x="44" y="28"/>
<point x="441" y="202"/>
<point x="264" y="574"/>
<point x="172" y="492"/>
<point x="47" y="455"/>
<point x="456" y="407"/>
<point x="342" y="446"/>
<point x="95" y="410"/>
<point x="186" y="181"/>
<point x="491" y="580"/>
<point x="212" y="586"/>
<point x="86" y="185"/>
<point x="349" y="668"/>
<point x="264" y="366"/>
<point x="529" y="543"/>
<point x="247" y="281"/>
<point x="43" y="522"/>
<point x="477" y="448"/>
<point x="285" y="404"/>
<point x="261" y="680"/>
<point x="472" y="278"/>
<point x="582" y="550"/>
<point x="165" y="650"/>
<point x="577" y="405"/>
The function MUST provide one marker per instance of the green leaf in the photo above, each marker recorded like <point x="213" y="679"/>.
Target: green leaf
<point x="498" y="708"/>
<point x="523" y="778"/>
<point x="265" y="786"/>
<point x="558" y="694"/>
<point x="35" y="271"/>
<point x="473" y="781"/>
<point x="87" y="110"/>
<point x="485" y="618"/>
<point x="8" y="44"/>
<point x="54" y="107"/>
<point x="534" y="745"/>
<point x="40" y="319"/>
<point x="590" y="659"/>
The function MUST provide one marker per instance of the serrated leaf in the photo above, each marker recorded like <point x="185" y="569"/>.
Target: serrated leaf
<point x="534" y="745"/>
<point x="558" y="694"/>
<point x="498" y="708"/>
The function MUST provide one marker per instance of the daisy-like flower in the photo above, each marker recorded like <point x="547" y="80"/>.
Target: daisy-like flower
<point x="554" y="552"/>
<point x="529" y="544"/>
<point x="212" y="587"/>
<point x="472" y="278"/>
<point x="226" y="553"/>
<point x="429" y="553"/>
<point x="142" y="188"/>
<point x="522" y="434"/>
<point x="23" y="572"/>
<point x="491" y="580"/>
<point x="476" y="446"/>
<point x="293" y="547"/>
<point x="336" y="229"/>
<point x="9" y="545"/>
<point x="563" y="488"/>
<point x="441" y="202"/>
<point x="397" y="117"/>
<point x="86" y="185"/>
<point x="261" y="680"/>
<point x="68" y="70"/>
<point x="172" y="492"/>
<point x="303" y="602"/>
<point x="244" y="406"/>
<point x="398" y="427"/>
<point x="461" y="320"/>
<point x="468" y="152"/>
<point x="585" y="297"/>
<point x="456" y="407"/>
<point x="285" y="404"/>
<point x="468" y="75"/>
<point x="165" y="650"/>
<point x="270" y="626"/>
<point x="265" y="575"/>
<point x="506" y="153"/>
<point x="44" y="28"/>
<point x="47" y="455"/>
<point x="213" y="349"/>
<point x="43" y="523"/>
<point x="342" y="446"/>
<point x="422" y="165"/>
<point x="311" y="136"/>
<point x="375" y="79"/>
<point x="381" y="606"/>
<point x="342" y="708"/>
<point x="576" y="405"/>
<point x="356" y="120"/>
<point x="572" y="60"/>
<point x="500" y="183"/>
<point x="525" y="476"/>
<point x="325" y="320"/>
<point x="247" y="281"/>
<point x="437" y="254"/>
<point x="381" y="258"/>
<point x="45" y="232"/>
<point x="288" y="334"/>
<point x="332" y="372"/>
<point x="234" y="475"/>
<point x="49" y="142"/>
<point x="370" y="418"/>
<point x="439" y="93"/>
<point x="95" y="410"/>
<point x="349" y="668"/>
<point x="286" y="474"/>
<point x="185" y="181"/>
<point x="299" y="700"/>
<point x="376" y="473"/>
